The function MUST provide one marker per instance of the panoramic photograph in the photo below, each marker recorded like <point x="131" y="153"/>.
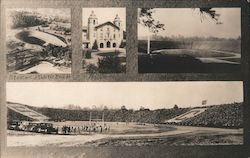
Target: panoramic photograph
<point x="104" y="40"/>
<point x="74" y="114"/>
<point x="38" y="41"/>
<point x="189" y="40"/>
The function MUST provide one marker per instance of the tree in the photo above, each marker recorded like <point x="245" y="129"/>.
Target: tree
<point x="146" y="19"/>
<point x="95" y="46"/>
<point x="176" y="107"/>
<point x="123" y="108"/>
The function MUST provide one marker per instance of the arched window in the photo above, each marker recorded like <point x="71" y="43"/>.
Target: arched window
<point x="94" y="22"/>
<point x="114" y="45"/>
<point x="114" y="36"/>
<point x="101" y="45"/>
<point x="108" y="44"/>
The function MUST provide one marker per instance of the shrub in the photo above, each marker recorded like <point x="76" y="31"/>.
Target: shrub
<point x="95" y="46"/>
<point x="122" y="45"/>
<point x="91" y="68"/>
<point x="110" y="64"/>
<point x="87" y="54"/>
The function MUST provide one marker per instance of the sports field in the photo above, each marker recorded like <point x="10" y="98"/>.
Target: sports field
<point x="129" y="134"/>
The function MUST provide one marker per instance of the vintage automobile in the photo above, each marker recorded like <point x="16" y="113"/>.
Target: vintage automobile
<point x="17" y="125"/>
<point x="44" y="128"/>
<point x="13" y="125"/>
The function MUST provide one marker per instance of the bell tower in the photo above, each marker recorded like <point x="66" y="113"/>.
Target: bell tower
<point x="117" y="21"/>
<point x="92" y="22"/>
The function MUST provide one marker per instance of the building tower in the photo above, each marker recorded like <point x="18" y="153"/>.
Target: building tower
<point x="92" y="22"/>
<point x="117" y="21"/>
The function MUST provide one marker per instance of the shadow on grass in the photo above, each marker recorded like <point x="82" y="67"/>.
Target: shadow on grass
<point x="158" y="63"/>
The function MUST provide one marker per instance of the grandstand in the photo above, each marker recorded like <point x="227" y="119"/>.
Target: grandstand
<point x="26" y="112"/>
<point x="222" y="116"/>
<point x="187" y="115"/>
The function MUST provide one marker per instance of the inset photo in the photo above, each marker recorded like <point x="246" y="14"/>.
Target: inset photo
<point x="57" y="114"/>
<point x="104" y="40"/>
<point x="38" y="41"/>
<point x="189" y="40"/>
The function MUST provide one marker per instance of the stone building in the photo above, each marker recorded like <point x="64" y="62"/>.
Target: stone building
<point x="104" y="35"/>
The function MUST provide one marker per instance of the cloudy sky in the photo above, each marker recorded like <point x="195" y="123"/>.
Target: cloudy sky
<point x="104" y="15"/>
<point x="151" y="95"/>
<point x="188" y="22"/>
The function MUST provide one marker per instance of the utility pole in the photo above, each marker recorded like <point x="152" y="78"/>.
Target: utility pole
<point x="90" y="117"/>
<point x="148" y="50"/>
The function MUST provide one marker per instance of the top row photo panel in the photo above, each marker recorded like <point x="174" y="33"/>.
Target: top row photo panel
<point x="170" y="40"/>
<point x="189" y="40"/>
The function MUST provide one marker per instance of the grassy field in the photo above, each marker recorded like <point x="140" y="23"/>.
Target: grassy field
<point x="219" y="56"/>
<point x="130" y="134"/>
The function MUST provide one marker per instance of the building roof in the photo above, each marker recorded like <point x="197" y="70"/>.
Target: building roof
<point x="92" y="15"/>
<point x="107" y="23"/>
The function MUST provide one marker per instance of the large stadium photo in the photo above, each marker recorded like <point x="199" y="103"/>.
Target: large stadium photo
<point x="75" y="114"/>
<point x="185" y="40"/>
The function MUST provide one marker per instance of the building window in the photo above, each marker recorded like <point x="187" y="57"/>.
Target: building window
<point x="114" y="36"/>
<point x="94" y="22"/>
<point x="101" y="45"/>
<point x="108" y="44"/>
<point x="114" y="45"/>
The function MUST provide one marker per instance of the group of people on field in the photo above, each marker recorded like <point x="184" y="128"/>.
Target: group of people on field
<point x="83" y="129"/>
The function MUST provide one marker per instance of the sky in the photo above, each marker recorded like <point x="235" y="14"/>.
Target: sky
<point x="104" y="15"/>
<point x="152" y="95"/>
<point x="188" y="22"/>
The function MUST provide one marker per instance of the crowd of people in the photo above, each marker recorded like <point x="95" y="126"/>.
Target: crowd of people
<point x="222" y="116"/>
<point x="97" y="128"/>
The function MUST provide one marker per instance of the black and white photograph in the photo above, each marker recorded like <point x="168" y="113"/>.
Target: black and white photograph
<point x="75" y="114"/>
<point x="104" y="40"/>
<point x="189" y="40"/>
<point x="38" y="40"/>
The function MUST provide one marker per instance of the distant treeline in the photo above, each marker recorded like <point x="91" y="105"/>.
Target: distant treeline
<point x="113" y="115"/>
<point x="22" y="19"/>
<point x="226" y="115"/>
<point x="26" y="19"/>
<point x="209" y="43"/>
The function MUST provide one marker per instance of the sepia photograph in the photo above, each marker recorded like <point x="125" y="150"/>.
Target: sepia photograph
<point x="38" y="40"/>
<point x="189" y="40"/>
<point x="104" y="40"/>
<point x="74" y="114"/>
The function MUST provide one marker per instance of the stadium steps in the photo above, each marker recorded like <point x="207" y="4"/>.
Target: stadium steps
<point x="186" y="115"/>
<point x="24" y="110"/>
